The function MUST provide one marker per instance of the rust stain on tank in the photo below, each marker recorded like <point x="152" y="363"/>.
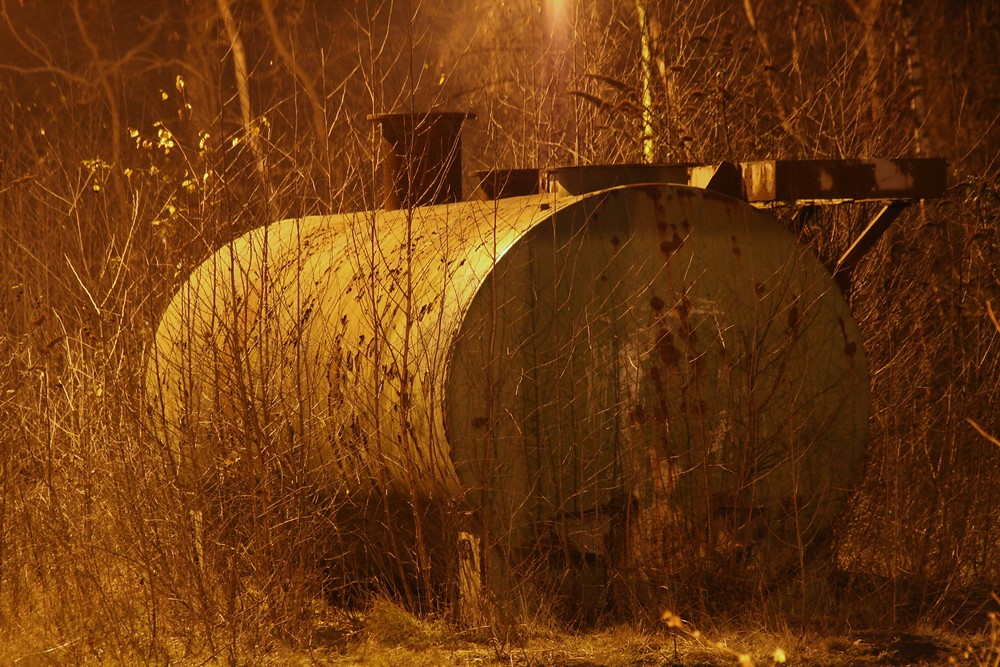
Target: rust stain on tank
<point x="656" y="303"/>
<point x="669" y="353"/>
<point x="850" y="346"/>
<point x="793" y="318"/>
<point x="687" y="334"/>
<point x="690" y="336"/>
<point x="638" y="414"/>
<point x="660" y="390"/>
<point x="683" y="309"/>
<point x="662" y="410"/>
<point x="654" y="192"/>
<point x="668" y="248"/>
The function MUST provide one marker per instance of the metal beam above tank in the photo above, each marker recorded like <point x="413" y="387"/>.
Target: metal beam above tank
<point x="765" y="182"/>
<point x="832" y="181"/>
<point x="724" y="178"/>
<point x="578" y="180"/>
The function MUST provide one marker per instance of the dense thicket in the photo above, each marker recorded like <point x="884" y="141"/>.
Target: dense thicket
<point x="135" y="138"/>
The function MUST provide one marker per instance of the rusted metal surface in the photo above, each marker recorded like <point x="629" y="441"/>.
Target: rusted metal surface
<point x="663" y="349"/>
<point x="657" y="354"/>
<point x="422" y="154"/>
<point x="502" y="183"/>
<point x="328" y="337"/>
<point x="865" y="241"/>
<point x="802" y="181"/>
<point x="724" y="178"/>
<point x="571" y="181"/>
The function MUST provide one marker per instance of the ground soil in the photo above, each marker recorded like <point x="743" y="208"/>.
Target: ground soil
<point x="624" y="647"/>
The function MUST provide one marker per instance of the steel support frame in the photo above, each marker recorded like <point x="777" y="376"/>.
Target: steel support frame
<point x="843" y="270"/>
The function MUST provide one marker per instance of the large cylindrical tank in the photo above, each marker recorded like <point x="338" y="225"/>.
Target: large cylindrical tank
<point x="618" y="372"/>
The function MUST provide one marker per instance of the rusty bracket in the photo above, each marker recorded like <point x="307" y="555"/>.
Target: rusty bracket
<point x="865" y="241"/>
<point x="803" y="217"/>
<point x="811" y="183"/>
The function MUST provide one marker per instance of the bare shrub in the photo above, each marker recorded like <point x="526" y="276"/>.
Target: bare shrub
<point x="129" y="157"/>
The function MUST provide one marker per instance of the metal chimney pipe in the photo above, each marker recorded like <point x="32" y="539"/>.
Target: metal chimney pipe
<point x="422" y="155"/>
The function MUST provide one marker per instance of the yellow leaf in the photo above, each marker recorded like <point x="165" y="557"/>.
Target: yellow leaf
<point x="179" y="82"/>
<point x="779" y="655"/>
<point x="164" y="96"/>
<point x="672" y="620"/>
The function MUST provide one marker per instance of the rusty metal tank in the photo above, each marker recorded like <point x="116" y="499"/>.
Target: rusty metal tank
<point x="620" y="368"/>
<point x="655" y="356"/>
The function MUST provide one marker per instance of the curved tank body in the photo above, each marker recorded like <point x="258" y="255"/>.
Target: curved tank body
<point x="658" y="357"/>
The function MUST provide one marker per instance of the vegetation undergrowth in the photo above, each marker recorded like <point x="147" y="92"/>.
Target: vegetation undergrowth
<point x="138" y="140"/>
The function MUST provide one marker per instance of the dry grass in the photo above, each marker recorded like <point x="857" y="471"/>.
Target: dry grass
<point x="386" y="634"/>
<point x="109" y="554"/>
